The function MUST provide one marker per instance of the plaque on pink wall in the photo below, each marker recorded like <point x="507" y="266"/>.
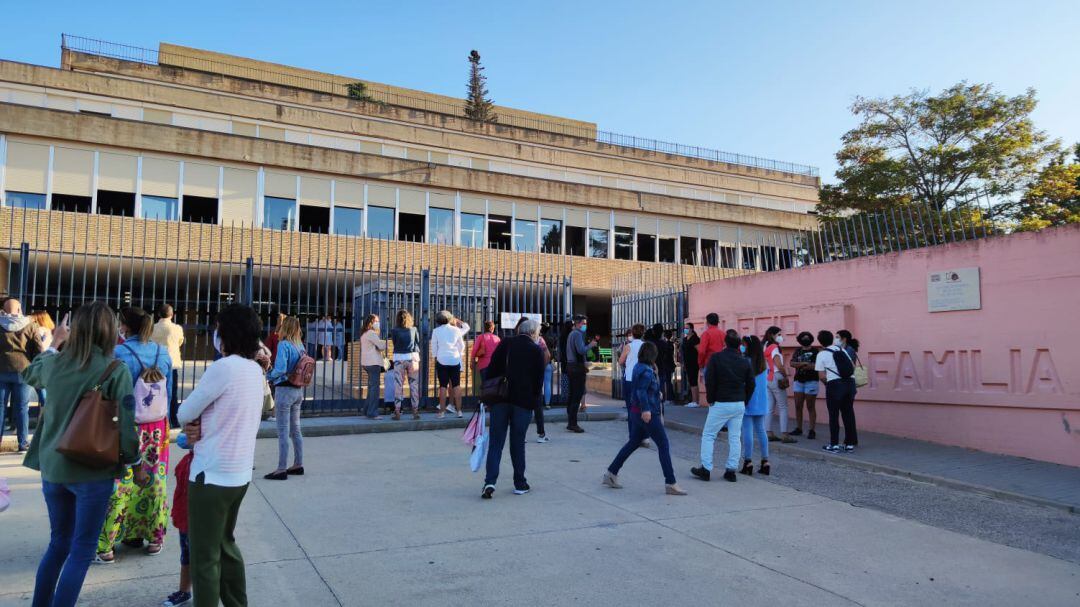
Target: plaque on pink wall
<point x="951" y="290"/>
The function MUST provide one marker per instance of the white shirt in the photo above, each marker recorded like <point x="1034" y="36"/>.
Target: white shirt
<point x="448" y="344"/>
<point x="229" y="399"/>
<point x="631" y="359"/>
<point x="825" y="362"/>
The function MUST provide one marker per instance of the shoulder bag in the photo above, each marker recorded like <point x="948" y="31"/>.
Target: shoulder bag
<point x="496" y="390"/>
<point x="92" y="437"/>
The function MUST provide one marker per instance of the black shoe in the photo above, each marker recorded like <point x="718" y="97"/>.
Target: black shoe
<point x="488" y="491"/>
<point x="796" y="432"/>
<point x="702" y="473"/>
<point x="576" y="429"/>
<point x="764" y="468"/>
<point x="277" y="476"/>
<point x="522" y="490"/>
<point x="831" y="448"/>
<point x="729" y="475"/>
<point x="298" y="471"/>
<point x="811" y="435"/>
<point x="747" y="468"/>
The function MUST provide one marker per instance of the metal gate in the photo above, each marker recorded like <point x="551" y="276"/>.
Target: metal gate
<point x="634" y="302"/>
<point x="55" y="261"/>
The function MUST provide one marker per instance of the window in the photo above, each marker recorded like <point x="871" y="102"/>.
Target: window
<point x="624" y="243"/>
<point x="786" y="259"/>
<point x="646" y="247"/>
<point x="498" y="232"/>
<point x="472" y="230"/>
<point x="278" y="213"/>
<point x="159" y="207"/>
<point x="72" y="203"/>
<point x="575" y="241"/>
<point x="708" y="252"/>
<point x="598" y="243"/>
<point x="667" y="250"/>
<point x="347" y="222"/>
<point x="116" y="203"/>
<point x="525" y="236"/>
<point x="380" y="222"/>
<point x="550" y="236"/>
<point x="24" y="200"/>
<point x="749" y="258"/>
<point x="199" y="209"/>
<point x="314" y="219"/>
<point x="768" y="259"/>
<point x="688" y="251"/>
<point x="410" y="227"/>
<point x="440" y="226"/>
<point x="727" y="257"/>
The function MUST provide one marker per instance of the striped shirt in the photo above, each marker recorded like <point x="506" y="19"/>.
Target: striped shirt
<point x="229" y="400"/>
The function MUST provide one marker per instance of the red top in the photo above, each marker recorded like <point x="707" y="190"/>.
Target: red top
<point x="712" y="341"/>
<point x="179" y="502"/>
<point x="483" y="347"/>
<point x="271" y="344"/>
<point x="770" y="361"/>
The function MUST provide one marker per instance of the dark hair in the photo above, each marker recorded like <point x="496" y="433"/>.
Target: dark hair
<point x="638" y="330"/>
<point x="648" y="353"/>
<point x="770" y="335"/>
<point x="489" y="326"/>
<point x="668" y="333"/>
<point x="846" y="336"/>
<point x="712" y="318"/>
<point x="138" y="322"/>
<point x="239" y="327"/>
<point x="825" y="338"/>
<point x="579" y="318"/>
<point x="731" y="338"/>
<point x="808" y="335"/>
<point x="690" y="325"/>
<point x="165" y="311"/>
<point x="755" y="354"/>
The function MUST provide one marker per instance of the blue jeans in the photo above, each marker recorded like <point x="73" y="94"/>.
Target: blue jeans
<point x="548" y="372"/>
<point x="76" y="515"/>
<point x="639" y="432"/>
<point x="287" y="401"/>
<point x="517" y="419"/>
<point x="720" y="414"/>
<point x="13" y="387"/>
<point x="753" y="429"/>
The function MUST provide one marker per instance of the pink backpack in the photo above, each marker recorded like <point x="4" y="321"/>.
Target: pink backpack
<point x="151" y="391"/>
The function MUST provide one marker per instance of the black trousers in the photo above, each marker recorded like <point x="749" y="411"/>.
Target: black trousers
<point x="174" y="404"/>
<point x="576" y="379"/>
<point x="840" y="400"/>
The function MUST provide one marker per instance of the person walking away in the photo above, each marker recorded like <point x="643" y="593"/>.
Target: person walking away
<point x="170" y="336"/>
<point x="665" y="364"/>
<point x="690" y="342"/>
<point x="288" y="398"/>
<point x="221" y="419"/>
<point x="757" y="407"/>
<point x="628" y="357"/>
<point x="45" y="327"/>
<point x="777" y="385"/>
<point x="182" y="596"/>
<point x="836" y="373"/>
<point x="712" y="341"/>
<point x="646" y="410"/>
<point x="576" y="370"/>
<point x="483" y="347"/>
<point x="521" y="362"/>
<point x="729" y="383"/>
<point x="77" y="496"/>
<point x="19" y="344"/>
<point x="406" y="340"/>
<point x="372" y="352"/>
<point x="140" y="513"/>
<point x="806" y="384"/>
<point x="538" y="412"/>
<point x="448" y="349"/>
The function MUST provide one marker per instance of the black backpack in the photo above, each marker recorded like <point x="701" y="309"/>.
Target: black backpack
<point x="845" y="368"/>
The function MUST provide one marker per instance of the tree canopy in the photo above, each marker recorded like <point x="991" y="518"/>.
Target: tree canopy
<point x="477" y="104"/>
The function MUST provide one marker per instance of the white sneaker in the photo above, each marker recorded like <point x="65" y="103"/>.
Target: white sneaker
<point x="451" y="409"/>
<point x="543" y="439"/>
<point x="692" y="405"/>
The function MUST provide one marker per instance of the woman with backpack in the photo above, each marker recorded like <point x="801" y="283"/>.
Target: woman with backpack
<point x="288" y="396"/>
<point x="137" y="513"/>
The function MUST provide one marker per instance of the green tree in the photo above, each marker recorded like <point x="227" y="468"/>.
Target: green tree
<point x="937" y="149"/>
<point x="1053" y="199"/>
<point x="477" y="104"/>
<point x="359" y="92"/>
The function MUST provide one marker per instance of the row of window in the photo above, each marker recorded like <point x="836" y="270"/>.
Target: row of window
<point x="197" y="209"/>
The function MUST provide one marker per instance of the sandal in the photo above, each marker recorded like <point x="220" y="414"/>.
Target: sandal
<point x="764" y="468"/>
<point x="397" y="415"/>
<point x="416" y="415"/>
<point x="747" y="468"/>
<point x="105" y="558"/>
<point x="153" y="549"/>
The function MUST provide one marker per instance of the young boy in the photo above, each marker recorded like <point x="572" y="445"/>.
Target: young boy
<point x="180" y="520"/>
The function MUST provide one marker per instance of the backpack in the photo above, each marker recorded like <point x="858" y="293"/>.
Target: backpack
<point x="151" y="391"/>
<point x="303" y="371"/>
<point x="844" y="367"/>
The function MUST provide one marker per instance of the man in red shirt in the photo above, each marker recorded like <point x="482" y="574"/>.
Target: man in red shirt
<point x="712" y="341"/>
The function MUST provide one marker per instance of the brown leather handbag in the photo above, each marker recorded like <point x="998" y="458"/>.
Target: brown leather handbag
<point x="92" y="437"/>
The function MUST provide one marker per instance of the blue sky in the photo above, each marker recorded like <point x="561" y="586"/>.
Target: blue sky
<point x="769" y="79"/>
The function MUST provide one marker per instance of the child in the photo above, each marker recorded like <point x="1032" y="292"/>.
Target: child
<point x="180" y="520"/>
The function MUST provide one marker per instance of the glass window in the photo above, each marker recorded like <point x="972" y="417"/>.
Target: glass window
<point x="472" y="230"/>
<point x="314" y="219"/>
<point x="575" y="241"/>
<point x="708" y="252"/>
<point x="646" y="247"/>
<point x="768" y="259"/>
<point x="598" y="243"/>
<point x="347" y="222"/>
<point x="749" y="258"/>
<point x="786" y="259"/>
<point x="667" y="250"/>
<point x="727" y="257"/>
<point x="498" y="232"/>
<point x="159" y="207"/>
<point x="71" y="203"/>
<point x="380" y="223"/>
<point x="550" y="236"/>
<point x="624" y="243"/>
<point x="525" y="236"/>
<point x="688" y="251"/>
<point x="120" y="204"/>
<point x="23" y="200"/>
<point x="279" y="213"/>
<point x="200" y="209"/>
<point x="440" y="226"/>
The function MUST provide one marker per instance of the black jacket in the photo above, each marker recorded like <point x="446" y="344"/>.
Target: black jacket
<point x="665" y="355"/>
<point x="522" y="362"/>
<point x="728" y="377"/>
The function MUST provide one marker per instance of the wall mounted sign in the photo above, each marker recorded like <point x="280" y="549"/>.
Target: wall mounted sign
<point x="951" y="290"/>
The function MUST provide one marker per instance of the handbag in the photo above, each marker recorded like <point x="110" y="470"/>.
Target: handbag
<point x="860" y="375"/>
<point x="496" y="390"/>
<point x="479" y="453"/>
<point x="783" y="383"/>
<point x="92" y="437"/>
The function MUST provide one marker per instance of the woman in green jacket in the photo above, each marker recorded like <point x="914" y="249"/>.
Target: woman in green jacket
<point x="76" y="496"/>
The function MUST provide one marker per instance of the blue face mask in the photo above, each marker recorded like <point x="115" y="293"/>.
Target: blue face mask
<point x="686" y="331"/>
<point x="742" y="349"/>
<point x="584" y="328"/>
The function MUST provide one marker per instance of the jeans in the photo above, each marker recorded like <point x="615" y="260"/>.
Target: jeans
<point x="549" y="371"/>
<point x="13" y="387"/>
<point x="777" y="400"/>
<point x="576" y="390"/>
<point x="538" y="416"/>
<point x="76" y="514"/>
<point x="217" y="566"/>
<point x="840" y="400"/>
<point x="503" y="416"/>
<point x="753" y="430"/>
<point x="639" y="432"/>
<point x="720" y="414"/>
<point x="406" y="369"/>
<point x="371" y="405"/>
<point x="287" y="401"/>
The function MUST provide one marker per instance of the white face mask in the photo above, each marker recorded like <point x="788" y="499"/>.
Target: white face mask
<point x="779" y="339"/>
<point x="217" y="343"/>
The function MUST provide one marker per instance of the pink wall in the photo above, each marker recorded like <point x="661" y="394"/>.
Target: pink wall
<point x="1005" y="378"/>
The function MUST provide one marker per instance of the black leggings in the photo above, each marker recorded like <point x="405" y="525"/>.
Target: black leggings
<point x="840" y="400"/>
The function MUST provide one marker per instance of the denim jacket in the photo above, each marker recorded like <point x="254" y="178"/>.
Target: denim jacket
<point x="288" y="354"/>
<point x="145" y="353"/>
<point x="645" y="389"/>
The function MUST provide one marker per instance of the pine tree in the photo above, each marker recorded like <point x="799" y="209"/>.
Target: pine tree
<point x="477" y="105"/>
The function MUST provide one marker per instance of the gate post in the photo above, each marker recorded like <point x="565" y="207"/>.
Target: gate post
<point x="425" y="332"/>
<point x="24" y="273"/>
<point x="249" y="282"/>
<point x="568" y="298"/>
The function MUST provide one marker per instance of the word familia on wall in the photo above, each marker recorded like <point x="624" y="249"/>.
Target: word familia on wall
<point x="1015" y="371"/>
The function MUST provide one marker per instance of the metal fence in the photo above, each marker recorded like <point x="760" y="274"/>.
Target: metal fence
<point x="655" y="296"/>
<point x="137" y="54"/>
<point x="330" y="282"/>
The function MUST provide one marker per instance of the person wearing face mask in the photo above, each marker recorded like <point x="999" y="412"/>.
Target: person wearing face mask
<point x="806" y="383"/>
<point x="372" y="348"/>
<point x="777" y="385"/>
<point x="576" y="349"/>
<point x="690" y="341"/>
